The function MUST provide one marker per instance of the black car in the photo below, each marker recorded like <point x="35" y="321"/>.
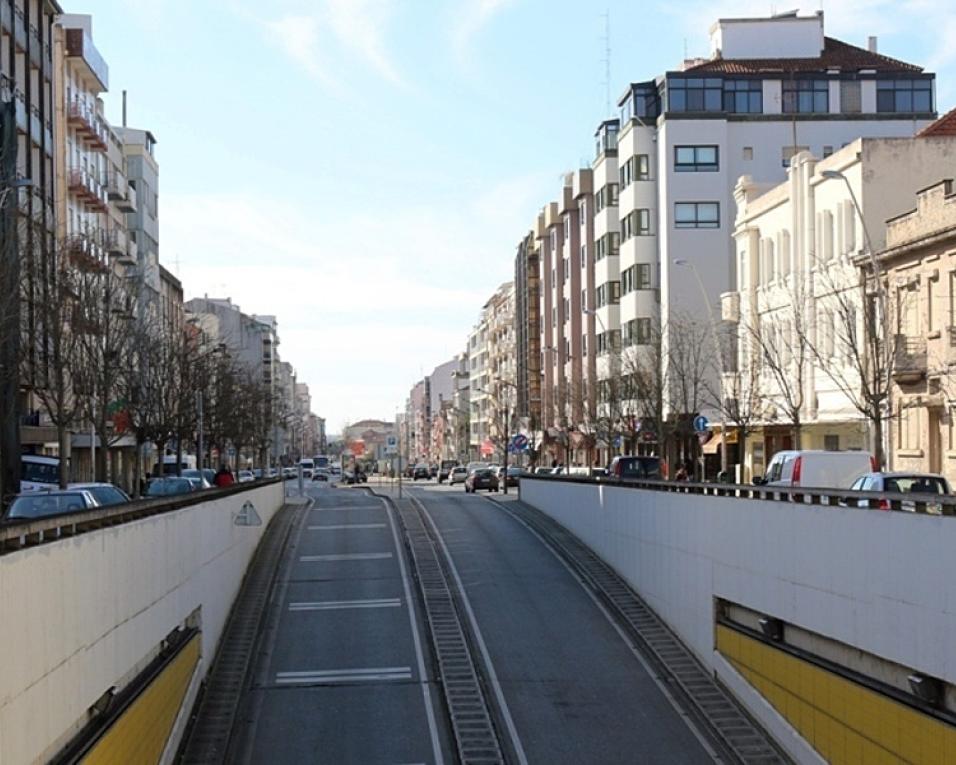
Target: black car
<point x="635" y="468"/>
<point x="421" y="472"/>
<point x="483" y="478"/>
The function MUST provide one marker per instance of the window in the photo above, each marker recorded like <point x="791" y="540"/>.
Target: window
<point x="787" y="153"/>
<point x="635" y="223"/>
<point x="904" y="96"/>
<point x="697" y="215"/>
<point x="637" y="168"/>
<point x="584" y="301"/>
<point x="567" y="227"/>
<point x="743" y="96"/>
<point x="584" y="256"/>
<point x="831" y="442"/>
<point x="637" y="277"/>
<point x="608" y="293"/>
<point x="567" y="309"/>
<point x="608" y="341"/>
<point x="583" y="214"/>
<point x="806" y="96"/>
<point x="695" y="159"/>
<point x="608" y="245"/>
<point x="636" y="332"/>
<point x="748" y="153"/>
<point x="567" y="270"/>
<point x="827" y="151"/>
<point x="851" y="102"/>
<point x="694" y="94"/>
<point x="605" y="197"/>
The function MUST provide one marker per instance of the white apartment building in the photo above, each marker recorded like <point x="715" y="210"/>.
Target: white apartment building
<point x="799" y="244"/>
<point x="772" y="87"/>
<point x="492" y="372"/>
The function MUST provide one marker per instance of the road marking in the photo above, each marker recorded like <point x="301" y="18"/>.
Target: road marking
<point x="342" y="508"/>
<point x="345" y="556"/>
<point x="483" y="649"/>
<point x="348" y="526"/>
<point x="417" y="640"/>
<point x="335" y="605"/>
<point x="371" y="674"/>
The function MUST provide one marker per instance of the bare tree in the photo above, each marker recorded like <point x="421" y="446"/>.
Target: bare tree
<point x="738" y="395"/>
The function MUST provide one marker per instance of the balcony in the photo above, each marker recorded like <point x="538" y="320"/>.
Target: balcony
<point x="89" y="125"/>
<point x="730" y="306"/>
<point x="80" y="46"/>
<point x="83" y="253"/>
<point x="88" y="189"/>
<point x="19" y="30"/>
<point x="128" y="204"/>
<point x="909" y="363"/>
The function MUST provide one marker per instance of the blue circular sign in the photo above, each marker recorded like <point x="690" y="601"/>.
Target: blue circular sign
<point x="701" y="423"/>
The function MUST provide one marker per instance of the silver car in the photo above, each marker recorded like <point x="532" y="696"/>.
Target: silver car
<point x="902" y="483"/>
<point x="45" y="504"/>
<point x="458" y="474"/>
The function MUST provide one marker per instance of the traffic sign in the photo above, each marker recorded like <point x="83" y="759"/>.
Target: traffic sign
<point x="701" y="424"/>
<point x="391" y="444"/>
<point x="519" y="442"/>
<point x="617" y="442"/>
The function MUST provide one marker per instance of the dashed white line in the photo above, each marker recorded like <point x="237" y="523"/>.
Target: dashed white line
<point x="345" y="556"/>
<point x="336" y="605"/>
<point x="370" y="674"/>
<point x="337" y="526"/>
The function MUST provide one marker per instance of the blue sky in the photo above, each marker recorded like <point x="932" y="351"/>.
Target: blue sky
<point x="364" y="169"/>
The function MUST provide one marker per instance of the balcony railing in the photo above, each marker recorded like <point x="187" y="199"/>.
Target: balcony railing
<point x="90" y="191"/>
<point x="909" y="363"/>
<point x="84" y="252"/>
<point x="79" y="45"/>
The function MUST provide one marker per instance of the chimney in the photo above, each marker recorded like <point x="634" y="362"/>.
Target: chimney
<point x="124" y="108"/>
<point x="871" y="43"/>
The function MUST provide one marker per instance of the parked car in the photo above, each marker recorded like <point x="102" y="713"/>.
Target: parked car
<point x="169" y="486"/>
<point x="458" y="475"/>
<point x="900" y="483"/>
<point x="542" y="471"/>
<point x="817" y="469"/>
<point x="46" y="503"/>
<point x="635" y="468"/>
<point x="514" y="475"/>
<point x="421" y="471"/>
<point x="473" y="466"/>
<point x="444" y="470"/>
<point x="354" y="477"/>
<point x="205" y="477"/>
<point x="104" y="494"/>
<point x="484" y="478"/>
<point x="321" y="474"/>
<point x="246" y="476"/>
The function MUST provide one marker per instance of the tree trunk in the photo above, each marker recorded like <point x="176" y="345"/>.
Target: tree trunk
<point x="63" y="439"/>
<point x="161" y="457"/>
<point x="137" y="468"/>
<point x="797" y="430"/>
<point x="878" y="453"/>
<point x="179" y="456"/>
<point x="101" y="454"/>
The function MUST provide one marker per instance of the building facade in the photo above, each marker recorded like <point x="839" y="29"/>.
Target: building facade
<point x="528" y="332"/>
<point x="798" y="309"/>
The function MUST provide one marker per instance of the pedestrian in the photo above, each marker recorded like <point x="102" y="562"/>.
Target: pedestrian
<point x="223" y="477"/>
<point x="681" y="474"/>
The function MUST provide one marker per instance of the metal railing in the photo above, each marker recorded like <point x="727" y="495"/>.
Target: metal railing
<point x="922" y="504"/>
<point x="17" y="535"/>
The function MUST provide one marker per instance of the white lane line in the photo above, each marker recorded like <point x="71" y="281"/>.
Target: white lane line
<point x="373" y="674"/>
<point x="338" y="526"/>
<point x="483" y="649"/>
<point x="336" y="605"/>
<point x="417" y="640"/>
<point x="345" y="556"/>
<point x="651" y="672"/>
<point x="343" y="508"/>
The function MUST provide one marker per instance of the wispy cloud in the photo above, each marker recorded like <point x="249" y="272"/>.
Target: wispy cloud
<point x="471" y="18"/>
<point x="318" y="39"/>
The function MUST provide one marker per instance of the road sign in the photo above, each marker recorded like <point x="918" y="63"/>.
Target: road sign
<point x="701" y="423"/>
<point x="520" y="442"/>
<point x="391" y="444"/>
<point x="617" y="442"/>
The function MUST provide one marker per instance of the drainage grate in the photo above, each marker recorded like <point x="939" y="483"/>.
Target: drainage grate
<point x="468" y="709"/>
<point x="209" y="736"/>
<point x="737" y="735"/>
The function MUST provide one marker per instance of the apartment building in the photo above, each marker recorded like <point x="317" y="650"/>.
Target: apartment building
<point x="772" y="87"/>
<point x="528" y="330"/>
<point x="418" y="421"/>
<point x="798" y="308"/>
<point x="142" y="222"/>
<point x="491" y="375"/>
<point x="27" y="153"/>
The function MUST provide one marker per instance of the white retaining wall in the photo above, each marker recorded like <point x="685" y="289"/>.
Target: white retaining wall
<point x="79" y="614"/>
<point x="884" y="582"/>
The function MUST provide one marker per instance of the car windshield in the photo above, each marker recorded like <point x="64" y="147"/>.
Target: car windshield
<point x="107" y="495"/>
<point x="167" y="486"/>
<point x="42" y="505"/>
<point x="915" y="484"/>
<point x="641" y="467"/>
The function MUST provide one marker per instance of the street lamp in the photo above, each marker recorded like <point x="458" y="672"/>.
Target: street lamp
<point x="713" y="327"/>
<point x="836" y="175"/>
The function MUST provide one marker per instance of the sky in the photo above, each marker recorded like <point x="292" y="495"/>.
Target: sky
<point x="364" y="169"/>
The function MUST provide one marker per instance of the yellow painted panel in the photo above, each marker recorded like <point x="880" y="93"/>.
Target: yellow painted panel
<point x="140" y="733"/>
<point x="843" y="720"/>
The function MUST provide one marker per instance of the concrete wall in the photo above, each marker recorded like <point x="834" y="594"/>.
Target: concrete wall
<point x="873" y="580"/>
<point x="80" y="615"/>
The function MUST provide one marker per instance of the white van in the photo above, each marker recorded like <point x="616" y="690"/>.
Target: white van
<point x="307" y="466"/>
<point x="38" y="472"/>
<point x="817" y="469"/>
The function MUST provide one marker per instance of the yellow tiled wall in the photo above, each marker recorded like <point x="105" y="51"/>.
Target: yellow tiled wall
<point x="843" y="720"/>
<point x="139" y="735"/>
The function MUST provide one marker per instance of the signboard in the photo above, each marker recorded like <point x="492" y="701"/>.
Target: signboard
<point x="700" y="423"/>
<point x="519" y="443"/>
<point x="391" y="444"/>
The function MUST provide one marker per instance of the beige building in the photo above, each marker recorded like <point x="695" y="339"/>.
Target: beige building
<point x="920" y="266"/>
<point x="492" y="371"/>
<point x="798" y="305"/>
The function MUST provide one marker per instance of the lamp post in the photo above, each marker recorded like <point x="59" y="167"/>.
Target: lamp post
<point x="713" y="327"/>
<point x="836" y="175"/>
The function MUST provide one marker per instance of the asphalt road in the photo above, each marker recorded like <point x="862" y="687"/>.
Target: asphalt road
<point x="339" y="679"/>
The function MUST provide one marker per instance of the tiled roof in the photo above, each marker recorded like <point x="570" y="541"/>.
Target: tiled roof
<point x="836" y="54"/>
<point x="944" y="126"/>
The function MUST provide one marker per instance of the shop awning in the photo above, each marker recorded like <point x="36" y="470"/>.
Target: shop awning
<point x="713" y="445"/>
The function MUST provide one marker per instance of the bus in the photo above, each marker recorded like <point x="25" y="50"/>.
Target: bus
<point x="322" y="461"/>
